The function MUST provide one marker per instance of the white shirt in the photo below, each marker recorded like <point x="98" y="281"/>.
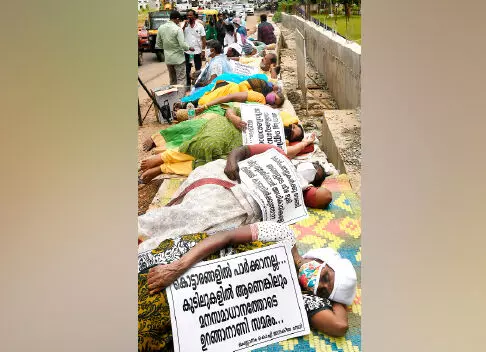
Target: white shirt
<point x="192" y="36"/>
<point x="228" y="39"/>
<point x="239" y="39"/>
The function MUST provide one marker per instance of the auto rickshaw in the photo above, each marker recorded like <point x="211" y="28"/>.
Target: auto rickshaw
<point x="205" y="15"/>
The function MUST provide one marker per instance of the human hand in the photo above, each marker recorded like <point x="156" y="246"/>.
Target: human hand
<point x="203" y="55"/>
<point x="200" y="109"/>
<point x="162" y="276"/>
<point x="238" y="122"/>
<point x="232" y="169"/>
<point x="309" y="140"/>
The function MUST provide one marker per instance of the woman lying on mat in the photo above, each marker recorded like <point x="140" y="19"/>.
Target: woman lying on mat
<point x="327" y="281"/>
<point x="215" y="201"/>
<point x="216" y="139"/>
<point x="173" y="136"/>
<point x="252" y="90"/>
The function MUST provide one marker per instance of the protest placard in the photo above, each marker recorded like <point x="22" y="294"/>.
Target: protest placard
<point x="243" y="69"/>
<point x="272" y="181"/>
<point x="264" y="126"/>
<point x="238" y="303"/>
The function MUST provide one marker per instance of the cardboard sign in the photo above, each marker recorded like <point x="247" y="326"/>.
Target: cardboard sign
<point x="167" y="97"/>
<point x="273" y="182"/>
<point x="264" y="126"/>
<point x="242" y="69"/>
<point x="238" y="303"/>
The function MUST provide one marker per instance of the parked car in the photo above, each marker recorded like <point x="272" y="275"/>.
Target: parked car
<point x="238" y="8"/>
<point x="250" y="9"/>
<point x="183" y="5"/>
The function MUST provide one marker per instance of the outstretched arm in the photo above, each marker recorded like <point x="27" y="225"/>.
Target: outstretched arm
<point x="235" y="119"/>
<point x="161" y="276"/>
<point x="234" y="97"/>
<point x="293" y="150"/>
<point x="241" y="153"/>
<point x="204" y="84"/>
<point x="331" y="322"/>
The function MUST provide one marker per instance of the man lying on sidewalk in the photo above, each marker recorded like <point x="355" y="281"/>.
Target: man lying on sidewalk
<point x="215" y="201"/>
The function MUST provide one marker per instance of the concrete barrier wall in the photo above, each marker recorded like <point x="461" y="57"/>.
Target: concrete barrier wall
<point x="338" y="61"/>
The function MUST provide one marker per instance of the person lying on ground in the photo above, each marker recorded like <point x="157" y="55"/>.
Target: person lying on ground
<point x="233" y="51"/>
<point x="218" y="201"/>
<point x="266" y="65"/>
<point x="229" y="77"/>
<point x="173" y="136"/>
<point x="217" y="65"/>
<point x="252" y="90"/>
<point x="327" y="281"/>
<point x="249" y="50"/>
<point x="216" y="139"/>
<point x="269" y="65"/>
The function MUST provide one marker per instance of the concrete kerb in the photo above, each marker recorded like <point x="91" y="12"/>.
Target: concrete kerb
<point x="337" y="63"/>
<point x="337" y="59"/>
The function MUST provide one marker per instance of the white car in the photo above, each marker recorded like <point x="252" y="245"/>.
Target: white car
<point x="183" y="5"/>
<point x="237" y="8"/>
<point x="226" y="7"/>
<point x="239" y="11"/>
<point x="250" y="10"/>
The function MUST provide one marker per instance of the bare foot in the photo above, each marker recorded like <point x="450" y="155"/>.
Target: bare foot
<point x="151" y="162"/>
<point x="148" y="144"/>
<point x="150" y="174"/>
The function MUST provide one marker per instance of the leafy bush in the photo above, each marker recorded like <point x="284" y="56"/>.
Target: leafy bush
<point x="277" y="17"/>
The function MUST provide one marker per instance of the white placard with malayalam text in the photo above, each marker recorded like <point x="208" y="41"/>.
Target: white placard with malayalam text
<point x="273" y="182"/>
<point x="242" y="69"/>
<point x="264" y="126"/>
<point x="238" y="303"/>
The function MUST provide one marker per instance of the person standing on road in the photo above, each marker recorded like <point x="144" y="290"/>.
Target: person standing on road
<point x="211" y="32"/>
<point x="229" y="37"/>
<point x="266" y="31"/>
<point x="220" y="29"/>
<point x="240" y="32"/>
<point x="195" y="36"/>
<point x="171" y="38"/>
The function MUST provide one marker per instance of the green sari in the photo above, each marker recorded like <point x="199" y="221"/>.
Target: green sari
<point x="211" y="33"/>
<point x="177" y="134"/>
<point x="216" y="139"/>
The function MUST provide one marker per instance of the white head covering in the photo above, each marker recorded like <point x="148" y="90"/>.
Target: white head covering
<point x="235" y="46"/>
<point x="345" y="279"/>
<point x="307" y="171"/>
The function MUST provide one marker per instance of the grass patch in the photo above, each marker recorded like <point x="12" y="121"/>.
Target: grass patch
<point x="352" y="31"/>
